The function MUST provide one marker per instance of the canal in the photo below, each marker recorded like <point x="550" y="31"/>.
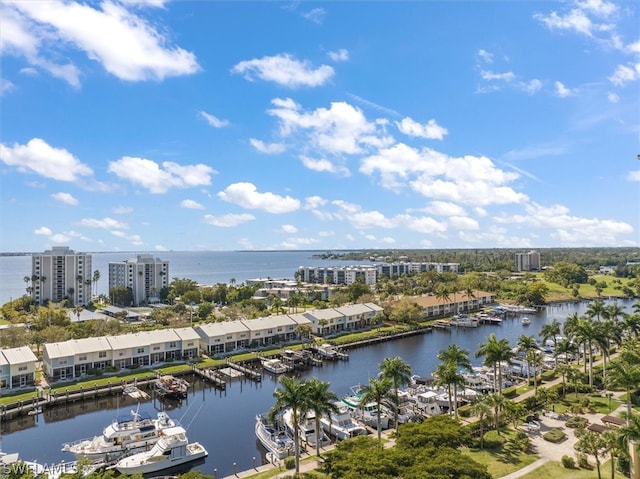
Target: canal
<point x="223" y="421"/>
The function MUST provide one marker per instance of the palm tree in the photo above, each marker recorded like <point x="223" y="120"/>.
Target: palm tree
<point x="566" y="349"/>
<point x="596" y="308"/>
<point x="591" y="443"/>
<point x="459" y="358"/>
<point x="495" y="352"/>
<point x="625" y="375"/>
<point x="551" y="331"/>
<point x="442" y="294"/>
<point x="292" y="394"/>
<point x="497" y="402"/>
<point x="95" y="279"/>
<point x="630" y="435"/>
<point x="376" y="391"/>
<point x="399" y="373"/>
<point x="447" y="375"/>
<point x="535" y="359"/>
<point x="611" y="444"/>
<point x="527" y="344"/>
<point x="481" y="410"/>
<point x="586" y="334"/>
<point x="322" y="402"/>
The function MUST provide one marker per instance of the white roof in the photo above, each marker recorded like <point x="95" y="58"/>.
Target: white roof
<point x="221" y="328"/>
<point x="270" y="322"/>
<point x="300" y="318"/>
<point x="374" y="307"/>
<point x="72" y="347"/>
<point x="324" y="314"/>
<point x="354" y="309"/>
<point x="187" y="334"/>
<point x="142" y="339"/>
<point x="19" y="355"/>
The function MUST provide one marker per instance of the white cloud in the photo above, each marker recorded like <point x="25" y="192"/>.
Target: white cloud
<point x="5" y="86"/>
<point x="315" y="15"/>
<point x="284" y="70"/>
<point x="39" y="157"/>
<point x="323" y="165"/>
<point x="125" y="44"/>
<point x="228" y="220"/>
<point x="191" y="204"/>
<point x="341" y="55"/>
<point x="122" y="210"/>
<point x="160" y="247"/>
<point x="65" y="198"/>
<point x="295" y="243"/>
<point x="430" y="130"/>
<point x="485" y="56"/>
<point x="135" y="240"/>
<point x="624" y="74"/>
<point x="213" y="120"/>
<point x="613" y="97"/>
<point x="247" y="196"/>
<point x="462" y="223"/>
<point x="562" y="91"/>
<point x="575" y="20"/>
<point x="532" y="86"/>
<point x="105" y="223"/>
<point x="491" y="76"/>
<point x="444" y="208"/>
<point x="290" y="229"/>
<point x="314" y="202"/>
<point x="149" y="174"/>
<point x="387" y="240"/>
<point x="44" y="231"/>
<point x="268" y="148"/>
<point x="633" y="175"/>
<point x="340" y="129"/>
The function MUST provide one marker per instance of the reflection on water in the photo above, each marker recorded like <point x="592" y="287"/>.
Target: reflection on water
<point x="223" y="421"/>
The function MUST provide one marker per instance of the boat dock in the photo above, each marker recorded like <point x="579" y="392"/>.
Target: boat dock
<point x="248" y="372"/>
<point x="442" y="324"/>
<point x="212" y="376"/>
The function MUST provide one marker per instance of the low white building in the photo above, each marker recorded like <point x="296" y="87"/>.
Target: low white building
<point x="76" y="357"/>
<point x="223" y="336"/>
<point x="17" y="367"/>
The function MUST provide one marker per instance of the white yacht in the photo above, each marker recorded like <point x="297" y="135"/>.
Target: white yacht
<point x="367" y="413"/>
<point x="125" y="434"/>
<point x="306" y="429"/>
<point x="341" y="425"/>
<point x="276" y="441"/>
<point x="172" y="449"/>
<point x="275" y="366"/>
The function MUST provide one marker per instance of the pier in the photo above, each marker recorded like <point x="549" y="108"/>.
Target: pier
<point x="248" y="372"/>
<point x="212" y="376"/>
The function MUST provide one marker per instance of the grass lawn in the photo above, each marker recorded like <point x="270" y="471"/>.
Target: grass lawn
<point x="26" y="397"/>
<point x="555" y="469"/>
<point x="597" y="403"/>
<point x="504" y="459"/>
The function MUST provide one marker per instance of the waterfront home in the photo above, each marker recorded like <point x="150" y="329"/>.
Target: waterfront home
<point x="435" y="307"/>
<point x="223" y="337"/>
<point x="17" y="367"/>
<point x="325" y="321"/>
<point x="274" y="329"/>
<point x="189" y="342"/>
<point x="76" y="357"/>
<point x="358" y="316"/>
<point x="145" y="348"/>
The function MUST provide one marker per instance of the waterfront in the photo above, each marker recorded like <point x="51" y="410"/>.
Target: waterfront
<point x="204" y="267"/>
<point x="224" y="421"/>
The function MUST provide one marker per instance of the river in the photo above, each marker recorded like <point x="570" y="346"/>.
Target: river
<point x="224" y="421"/>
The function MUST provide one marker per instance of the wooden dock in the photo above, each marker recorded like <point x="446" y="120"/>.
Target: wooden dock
<point x="248" y="372"/>
<point x="212" y="376"/>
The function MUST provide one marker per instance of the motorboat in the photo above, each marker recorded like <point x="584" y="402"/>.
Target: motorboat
<point x="134" y="392"/>
<point x="464" y="321"/>
<point x="273" y="438"/>
<point x="368" y="412"/>
<point x="526" y="320"/>
<point x="173" y="449"/>
<point x="275" y="366"/>
<point x="172" y="387"/>
<point x="342" y="425"/>
<point x="328" y="351"/>
<point x="138" y="431"/>
<point x="306" y="428"/>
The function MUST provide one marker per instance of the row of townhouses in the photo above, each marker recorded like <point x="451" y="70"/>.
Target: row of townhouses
<point x="76" y="357"/>
<point x="368" y="274"/>
<point x="17" y="367"/>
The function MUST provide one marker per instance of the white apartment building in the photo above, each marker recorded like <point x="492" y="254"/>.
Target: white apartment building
<point x="61" y="273"/>
<point x="145" y="274"/>
<point x="528" y="261"/>
<point x="17" y="367"/>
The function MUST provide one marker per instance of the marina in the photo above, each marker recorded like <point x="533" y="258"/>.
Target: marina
<point x="223" y="420"/>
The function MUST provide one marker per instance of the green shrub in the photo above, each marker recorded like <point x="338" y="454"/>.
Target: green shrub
<point x="583" y="461"/>
<point x="568" y="462"/>
<point x="548" y="375"/>
<point x="464" y="411"/>
<point x="493" y="441"/>
<point x="554" y="435"/>
<point x="577" y="422"/>
<point x="290" y="462"/>
<point x="510" y="393"/>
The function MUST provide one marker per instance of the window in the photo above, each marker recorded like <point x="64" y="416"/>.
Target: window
<point x="172" y="344"/>
<point x="63" y="361"/>
<point x="22" y="368"/>
<point x="155" y="348"/>
<point x="102" y="354"/>
<point x="140" y="350"/>
<point x="82" y="358"/>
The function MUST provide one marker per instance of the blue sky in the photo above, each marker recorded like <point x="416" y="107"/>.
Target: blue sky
<point x="225" y="125"/>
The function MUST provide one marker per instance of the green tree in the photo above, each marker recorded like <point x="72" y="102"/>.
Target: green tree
<point x="460" y="360"/>
<point x="481" y="410"/>
<point x="495" y="352"/>
<point x="625" y="375"/>
<point x="398" y="372"/>
<point x="591" y="443"/>
<point x="293" y="394"/>
<point x="322" y="402"/>
<point x="376" y="391"/>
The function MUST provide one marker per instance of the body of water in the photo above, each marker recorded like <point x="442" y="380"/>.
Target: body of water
<point x="205" y="267"/>
<point x="224" y="421"/>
